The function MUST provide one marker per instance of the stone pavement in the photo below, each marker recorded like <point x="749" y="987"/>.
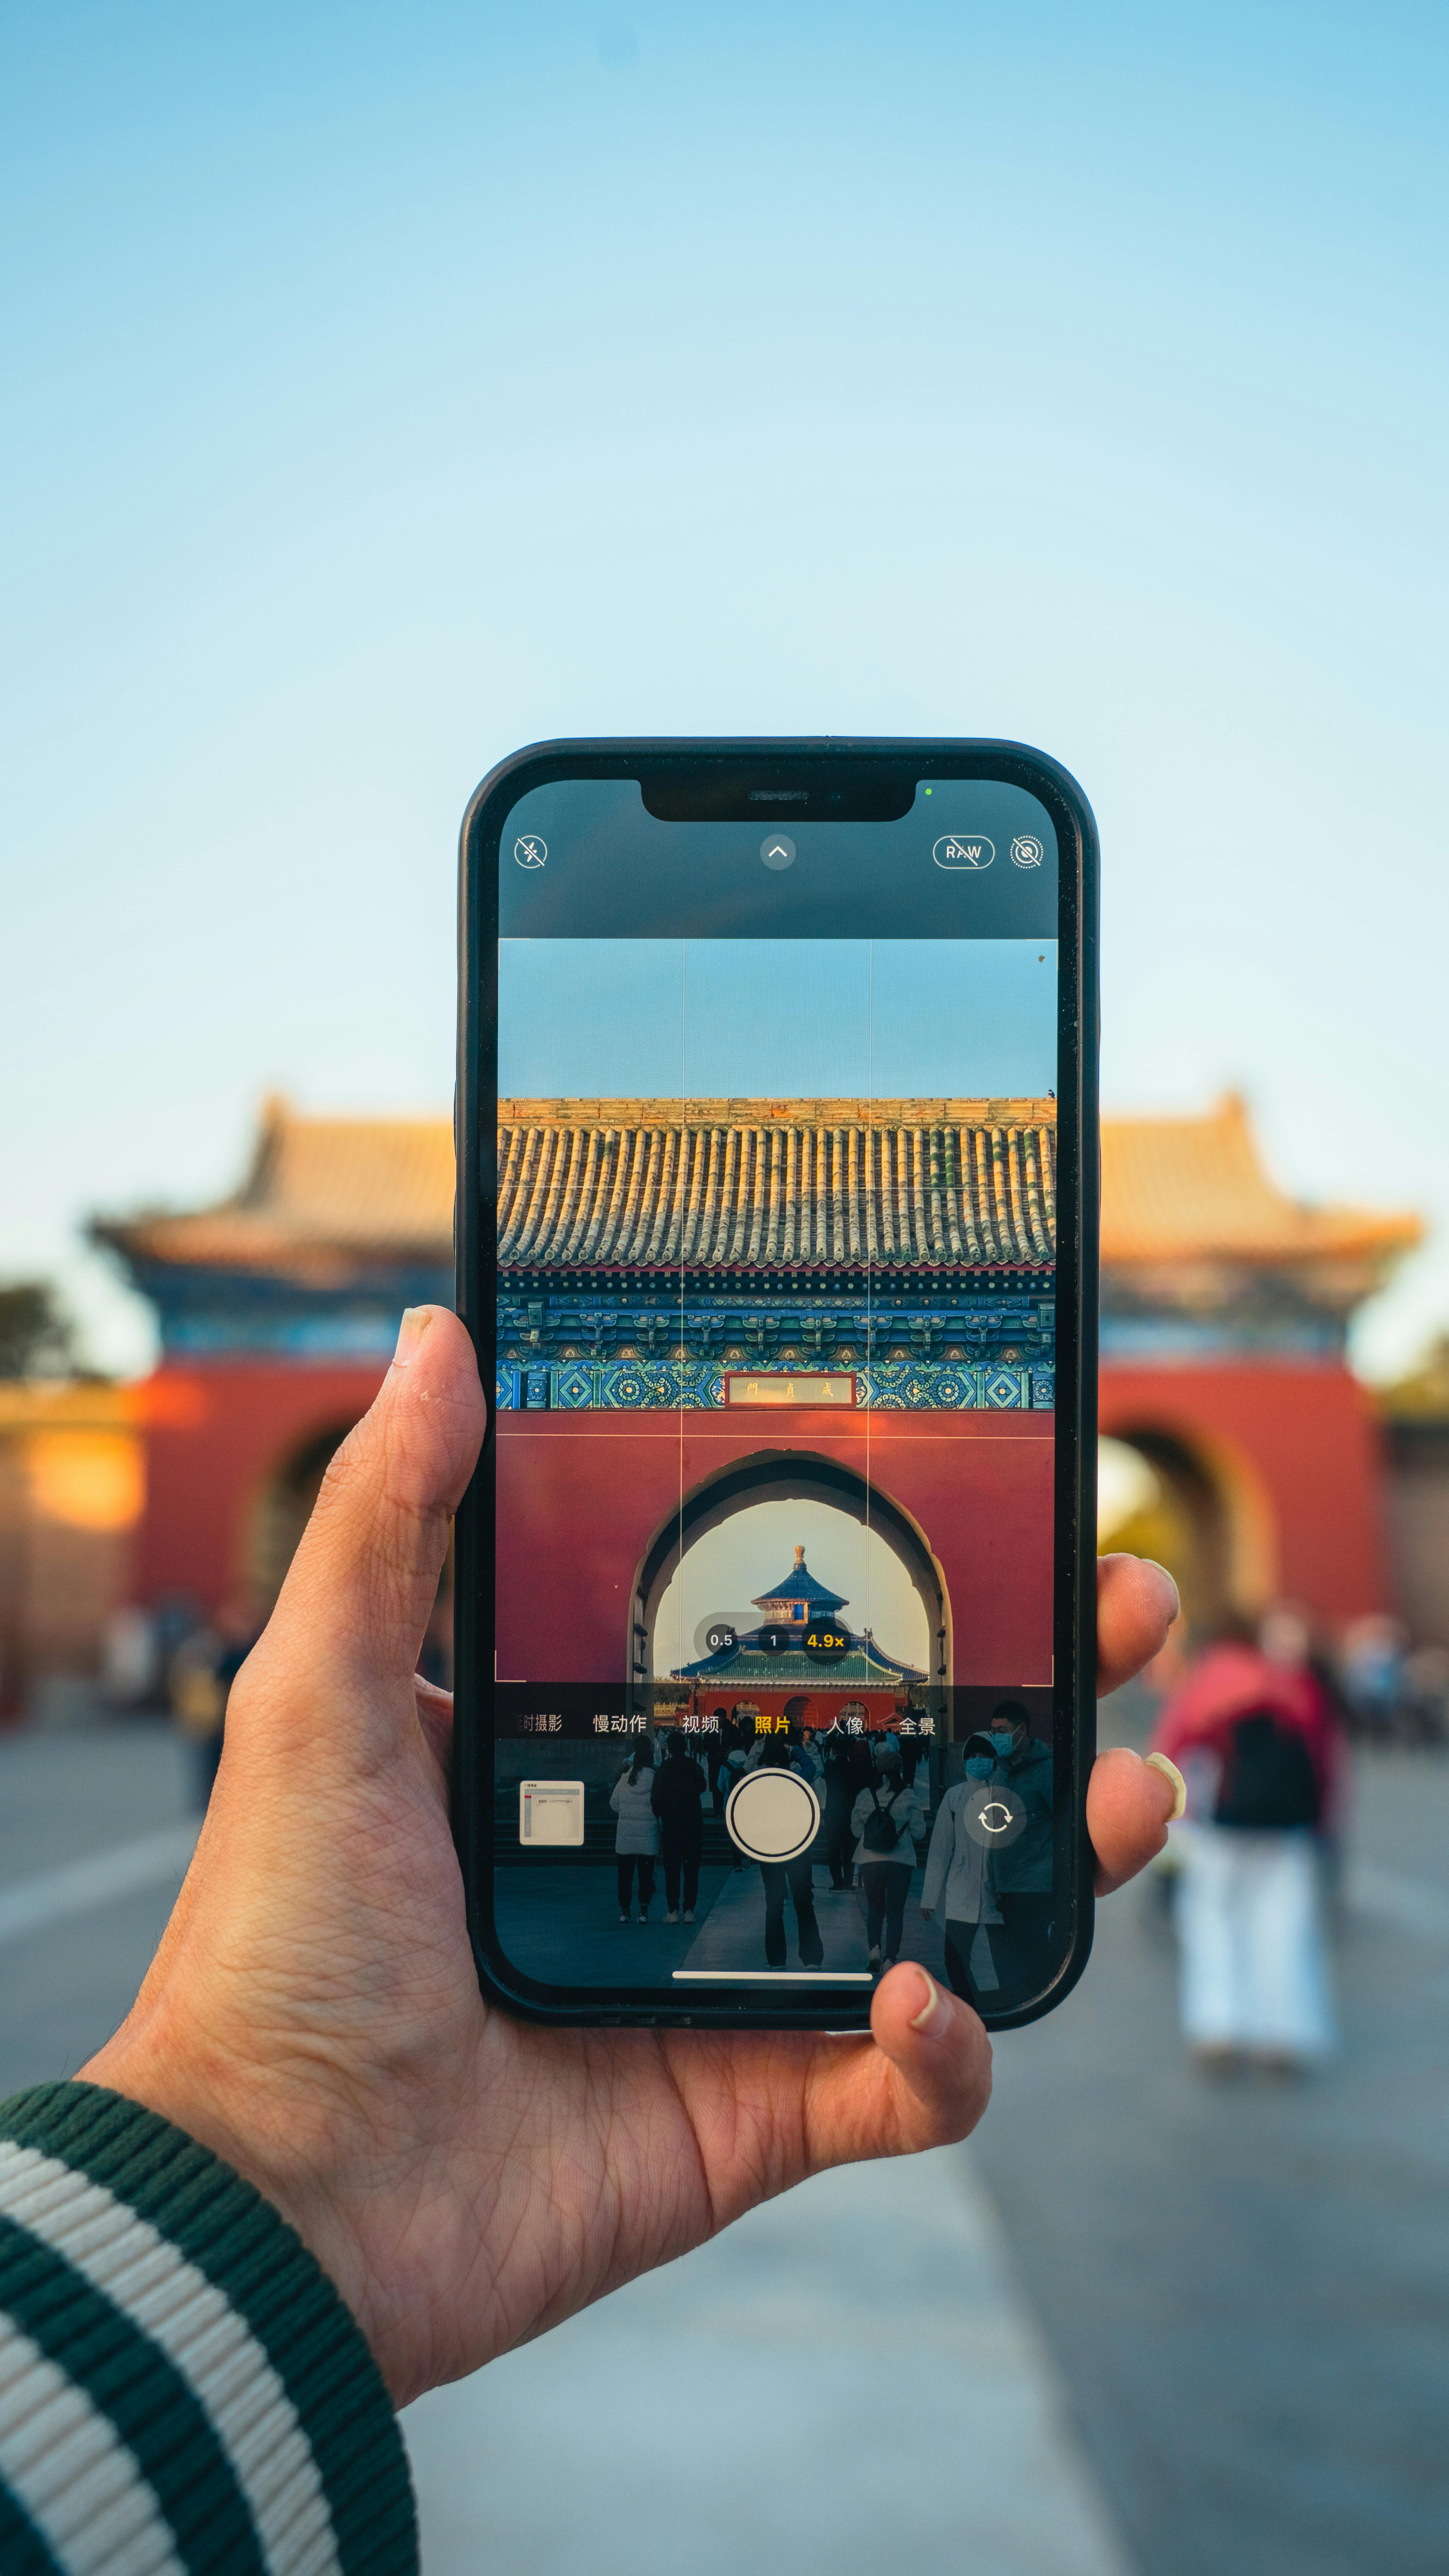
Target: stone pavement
<point x="1246" y="2285"/>
<point x="846" y="2380"/>
<point x="69" y="1972"/>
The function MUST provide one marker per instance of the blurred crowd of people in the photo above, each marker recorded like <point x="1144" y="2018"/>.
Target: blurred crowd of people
<point x="183" y="1660"/>
<point x="1383" y="1689"/>
<point x="1392" y="1693"/>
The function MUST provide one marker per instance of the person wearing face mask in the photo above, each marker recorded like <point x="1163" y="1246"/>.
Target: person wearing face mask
<point x="959" y="1871"/>
<point x="886" y="1817"/>
<point x="1022" y="1872"/>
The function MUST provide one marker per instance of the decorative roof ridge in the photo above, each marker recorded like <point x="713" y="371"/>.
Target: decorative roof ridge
<point x="1001" y="1110"/>
<point x="846" y="1267"/>
<point x="1189" y="1188"/>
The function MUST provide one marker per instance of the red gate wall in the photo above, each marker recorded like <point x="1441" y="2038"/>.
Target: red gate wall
<point x="215" y="1437"/>
<point x="583" y="1494"/>
<point x="581" y="1497"/>
<point x="1306" y="1437"/>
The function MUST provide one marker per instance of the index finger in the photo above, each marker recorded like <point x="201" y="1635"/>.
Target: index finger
<point x="1130" y="1804"/>
<point x="1136" y="1605"/>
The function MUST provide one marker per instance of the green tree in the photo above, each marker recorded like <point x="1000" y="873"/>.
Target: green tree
<point x="1424" y="1393"/>
<point x="37" y="1336"/>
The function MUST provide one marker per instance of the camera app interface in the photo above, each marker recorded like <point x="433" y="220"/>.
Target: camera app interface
<point x="775" y="1203"/>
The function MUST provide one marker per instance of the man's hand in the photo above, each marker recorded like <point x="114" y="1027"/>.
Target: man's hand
<point x="313" y="2013"/>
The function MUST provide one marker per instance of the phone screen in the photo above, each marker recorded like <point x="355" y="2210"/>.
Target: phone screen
<point x="776" y="1347"/>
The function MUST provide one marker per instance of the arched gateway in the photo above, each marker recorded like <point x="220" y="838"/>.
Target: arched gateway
<point x="793" y="1476"/>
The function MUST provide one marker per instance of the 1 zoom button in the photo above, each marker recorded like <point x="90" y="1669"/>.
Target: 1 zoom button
<point x="993" y="1815"/>
<point x="772" y="1815"/>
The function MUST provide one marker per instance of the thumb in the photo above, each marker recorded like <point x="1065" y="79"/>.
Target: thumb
<point x="925" y="2082"/>
<point x="361" y="1587"/>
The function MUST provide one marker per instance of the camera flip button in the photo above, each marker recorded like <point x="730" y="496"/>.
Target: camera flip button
<point x="993" y="1815"/>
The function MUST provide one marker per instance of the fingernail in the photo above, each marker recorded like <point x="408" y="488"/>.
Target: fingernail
<point x="415" y="1322"/>
<point x="932" y="2005"/>
<point x="1171" y="1773"/>
<point x="1172" y="1579"/>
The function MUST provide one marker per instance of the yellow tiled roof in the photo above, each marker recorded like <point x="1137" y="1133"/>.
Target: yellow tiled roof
<point x="321" y="1193"/>
<point x="807" y="1182"/>
<point x="801" y="1184"/>
<point x="1193" y="1189"/>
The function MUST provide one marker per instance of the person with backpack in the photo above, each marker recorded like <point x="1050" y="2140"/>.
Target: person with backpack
<point x="887" y="1818"/>
<point x="1260" y="1749"/>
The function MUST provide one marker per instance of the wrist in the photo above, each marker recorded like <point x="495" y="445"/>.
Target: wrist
<point x="231" y="2114"/>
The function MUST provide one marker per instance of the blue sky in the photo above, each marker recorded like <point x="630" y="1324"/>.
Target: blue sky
<point x="728" y="1018"/>
<point x="392" y="386"/>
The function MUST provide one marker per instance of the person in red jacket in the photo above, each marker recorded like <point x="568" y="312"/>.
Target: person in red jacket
<point x="1259" y="1746"/>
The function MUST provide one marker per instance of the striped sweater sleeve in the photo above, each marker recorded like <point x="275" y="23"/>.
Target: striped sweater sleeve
<point x="182" y="2391"/>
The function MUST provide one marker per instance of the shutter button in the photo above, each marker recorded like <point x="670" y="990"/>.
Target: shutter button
<point x="772" y="1815"/>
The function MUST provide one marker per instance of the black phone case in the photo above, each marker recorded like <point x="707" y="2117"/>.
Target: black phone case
<point x="1078" y="1201"/>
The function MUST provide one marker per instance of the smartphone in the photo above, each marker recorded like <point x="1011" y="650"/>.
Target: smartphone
<point x="776" y="1233"/>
